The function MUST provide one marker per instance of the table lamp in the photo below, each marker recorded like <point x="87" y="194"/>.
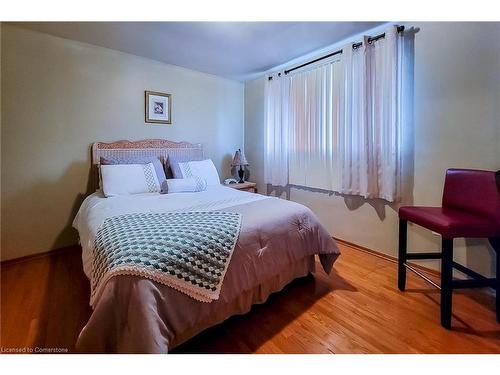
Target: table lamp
<point x="240" y="160"/>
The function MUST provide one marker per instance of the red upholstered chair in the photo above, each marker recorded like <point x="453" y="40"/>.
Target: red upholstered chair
<point x="470" y="208"/>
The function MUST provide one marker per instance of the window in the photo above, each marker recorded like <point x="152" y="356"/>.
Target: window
<point x="339" y="126"/>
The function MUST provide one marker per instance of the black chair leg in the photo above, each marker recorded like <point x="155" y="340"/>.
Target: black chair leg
<point x="402" y="254"/>
<point x="495" y="243"/>
<point x="446" y="281"/>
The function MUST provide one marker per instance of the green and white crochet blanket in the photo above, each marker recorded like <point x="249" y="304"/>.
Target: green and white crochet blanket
<point x="188" y="251"/>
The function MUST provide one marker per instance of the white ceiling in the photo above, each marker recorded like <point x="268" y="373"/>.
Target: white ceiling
<point x="236" y="50"/>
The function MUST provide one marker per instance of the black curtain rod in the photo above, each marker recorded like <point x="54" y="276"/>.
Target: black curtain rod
<point x="354" y="46"/>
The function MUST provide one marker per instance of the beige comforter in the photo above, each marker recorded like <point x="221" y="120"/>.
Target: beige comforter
<point x="277" y="242"/>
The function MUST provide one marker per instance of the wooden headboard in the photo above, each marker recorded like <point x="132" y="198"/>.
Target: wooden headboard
<point x="146" y="148"/>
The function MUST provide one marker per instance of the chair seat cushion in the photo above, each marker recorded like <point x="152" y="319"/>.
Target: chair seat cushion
<point x="450" y="223"/>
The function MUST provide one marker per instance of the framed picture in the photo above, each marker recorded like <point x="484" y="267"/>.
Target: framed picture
<point x="158" y="107"/>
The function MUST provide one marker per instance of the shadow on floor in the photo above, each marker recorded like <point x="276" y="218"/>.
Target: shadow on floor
<point x="65" y="308"/>
<point x="267" y="319"/>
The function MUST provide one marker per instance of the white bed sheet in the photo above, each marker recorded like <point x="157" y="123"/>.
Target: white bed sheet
<point x="96" y="208"/>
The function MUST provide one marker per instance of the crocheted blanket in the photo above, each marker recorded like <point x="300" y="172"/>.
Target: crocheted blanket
<point x="188" y="251"/>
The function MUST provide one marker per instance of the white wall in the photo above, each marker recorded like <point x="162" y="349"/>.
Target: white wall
<point x="457" y="124"/>
<point x="254" y="131"/>
<point x="60" y="96"/>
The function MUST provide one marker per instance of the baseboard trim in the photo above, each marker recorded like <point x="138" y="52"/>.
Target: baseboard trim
<point x="387" y="257"/>
<point x="36" y="256"/>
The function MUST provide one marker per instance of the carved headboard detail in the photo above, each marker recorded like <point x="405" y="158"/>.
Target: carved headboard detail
<point x="145" y="148"/>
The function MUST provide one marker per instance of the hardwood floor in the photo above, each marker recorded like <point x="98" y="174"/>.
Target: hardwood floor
<point x="357" y="309"/>
<point x="44" y="301"/>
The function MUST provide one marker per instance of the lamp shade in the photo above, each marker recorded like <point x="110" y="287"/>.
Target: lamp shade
<point x="239" y="159"/>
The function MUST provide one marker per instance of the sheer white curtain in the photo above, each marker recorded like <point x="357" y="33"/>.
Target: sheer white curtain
<point x="370" y="136"/>
<point x="276" y="131"/>
<point x="313" y="126"/>
<point x="339" y="126"/>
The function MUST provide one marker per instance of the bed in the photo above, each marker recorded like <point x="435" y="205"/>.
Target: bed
<point x="277" y="242"/>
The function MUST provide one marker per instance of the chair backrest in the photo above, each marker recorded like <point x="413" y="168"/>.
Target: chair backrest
<point x="473" y="191"/>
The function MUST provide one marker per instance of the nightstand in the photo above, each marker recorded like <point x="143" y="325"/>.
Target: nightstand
<point x="251" y="187"/>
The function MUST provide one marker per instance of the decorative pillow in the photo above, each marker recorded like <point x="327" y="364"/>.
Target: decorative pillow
<point x="126" y="179"/>
<point x="160" y="172"/>
<point x="181" y="185"/>
<point x="204" y="169"/>
<point x="173" y="163"/>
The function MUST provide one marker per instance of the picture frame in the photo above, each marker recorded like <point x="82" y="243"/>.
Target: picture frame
<point x="158" y="107"/>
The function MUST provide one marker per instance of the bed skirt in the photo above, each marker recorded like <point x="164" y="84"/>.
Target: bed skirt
<point x="145" y="330"/>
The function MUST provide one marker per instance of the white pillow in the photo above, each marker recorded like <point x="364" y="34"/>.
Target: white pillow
<point x="181" y="185"/>
<point x="204" y="169"/>
<point x="125" y="179"/>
